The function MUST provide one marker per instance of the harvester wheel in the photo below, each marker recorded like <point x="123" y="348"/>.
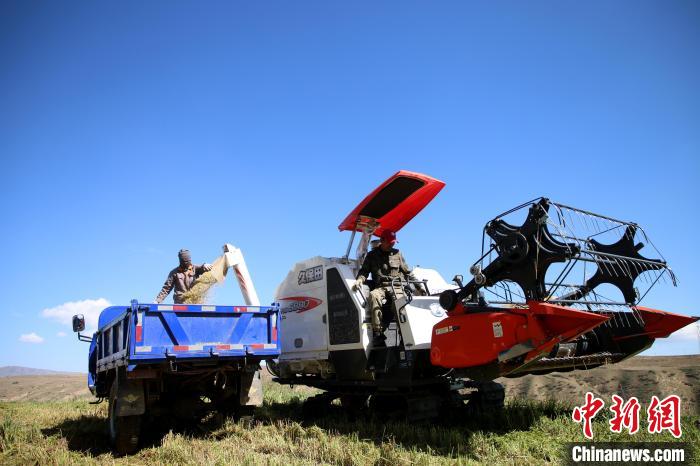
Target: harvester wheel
<point x="488" y="399"/>
<point x="245" y="412"/>
<point x="124" y="431"/>
<point x="389" y="406"/>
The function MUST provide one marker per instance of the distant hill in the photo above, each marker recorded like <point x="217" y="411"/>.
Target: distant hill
<point x="640" y="376"/>
<point x="12" y="371"/>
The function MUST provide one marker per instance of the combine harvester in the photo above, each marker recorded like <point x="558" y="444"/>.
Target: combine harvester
<point x="179" y="362"/>
<point x="536" y="304"/>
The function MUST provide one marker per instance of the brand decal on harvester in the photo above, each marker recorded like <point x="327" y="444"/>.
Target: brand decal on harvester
<point x="312" y="274"/>
<point x="299" y="304"/>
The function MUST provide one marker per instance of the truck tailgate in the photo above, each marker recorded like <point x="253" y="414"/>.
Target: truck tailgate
<point x="201" y="331"/>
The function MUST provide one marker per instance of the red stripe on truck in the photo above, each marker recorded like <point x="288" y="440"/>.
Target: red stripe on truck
<point x="181" y="348"/>
<point x="257" y="346"/>
<point x="179" y="308"/>
<point x="139" y="333"/>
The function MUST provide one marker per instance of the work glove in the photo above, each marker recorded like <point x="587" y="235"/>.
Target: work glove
<point x="206" y="267"/>
<point x="358" y="283"/>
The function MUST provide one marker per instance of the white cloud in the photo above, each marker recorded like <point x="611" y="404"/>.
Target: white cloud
<point x="90" y="308"/>
<point x="30" y="338"/>
<point x="683" y="341"/>
<point x="61" y="334"/>
<point x="689" y="332"/>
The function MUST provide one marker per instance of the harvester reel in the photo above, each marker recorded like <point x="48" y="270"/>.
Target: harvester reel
<point x="525" y="253"/>
<point x="621" y="274"/>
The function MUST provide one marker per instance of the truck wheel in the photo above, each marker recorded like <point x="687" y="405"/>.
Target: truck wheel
<point x="245" y="412"/>
<point x="232" y="407"/>
<point x="123" y="430"/>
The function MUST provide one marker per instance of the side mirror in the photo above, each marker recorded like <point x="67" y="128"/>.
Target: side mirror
<point x="78" y="323"/>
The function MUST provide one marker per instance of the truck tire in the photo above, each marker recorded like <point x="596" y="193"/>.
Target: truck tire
<point x="124" y="431"/>
<point x="232" y="407"/>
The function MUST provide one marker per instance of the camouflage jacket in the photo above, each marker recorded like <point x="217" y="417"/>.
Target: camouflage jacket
<point x="385" y="266"/>
<point x="181" y="280"/>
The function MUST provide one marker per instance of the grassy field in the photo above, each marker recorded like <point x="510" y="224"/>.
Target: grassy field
<point x="529" y="432"/>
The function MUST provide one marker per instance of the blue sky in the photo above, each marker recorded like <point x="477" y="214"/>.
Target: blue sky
<point x="130" y="130"/>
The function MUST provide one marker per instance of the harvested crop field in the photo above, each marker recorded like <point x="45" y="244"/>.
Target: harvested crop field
<point x="530" y="431"/>
<point x="44" y="388"/>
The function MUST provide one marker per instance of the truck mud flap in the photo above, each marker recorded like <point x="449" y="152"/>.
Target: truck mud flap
<point x="251" y="393"/>
<point x="130" y="398"/>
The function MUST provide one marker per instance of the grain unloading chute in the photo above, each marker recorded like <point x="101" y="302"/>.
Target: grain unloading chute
<point x="231" y="258"/>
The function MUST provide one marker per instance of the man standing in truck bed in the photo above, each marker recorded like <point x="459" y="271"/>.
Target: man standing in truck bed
<point x="182" y="277"/>
<point x="387" y="266"/>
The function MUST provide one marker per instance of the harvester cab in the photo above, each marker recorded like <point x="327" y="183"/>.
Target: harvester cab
<point x="327" y="337"/>
<point x="327" y="331"/>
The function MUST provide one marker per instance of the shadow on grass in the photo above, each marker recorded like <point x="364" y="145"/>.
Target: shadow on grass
<point x="85" y="434"/>
<point x="88" y="434"/>
<point x="442" y="436"/>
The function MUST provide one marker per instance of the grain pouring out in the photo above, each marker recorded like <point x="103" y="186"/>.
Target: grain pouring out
<point x="204" y="284"/>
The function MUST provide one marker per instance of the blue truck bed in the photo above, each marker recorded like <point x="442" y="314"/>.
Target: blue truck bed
<point x="177" y="362"/>
<point x="143" y="335"/>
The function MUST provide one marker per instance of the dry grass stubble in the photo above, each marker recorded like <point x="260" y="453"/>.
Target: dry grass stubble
<point x="529" y="433"/>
